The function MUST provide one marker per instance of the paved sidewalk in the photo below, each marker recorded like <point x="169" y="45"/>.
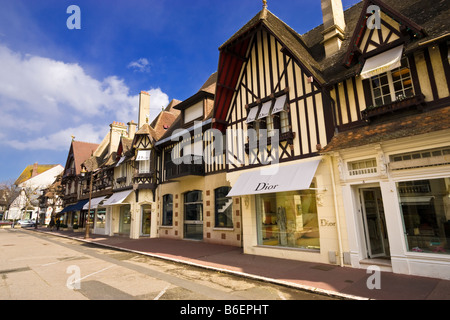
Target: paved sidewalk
<point x="331" y="280"/>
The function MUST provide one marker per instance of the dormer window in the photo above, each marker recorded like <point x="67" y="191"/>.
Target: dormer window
<point x="194" y="112"/>
<point x="143" y="158"/>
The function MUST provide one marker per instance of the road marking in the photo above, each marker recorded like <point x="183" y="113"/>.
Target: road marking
<point x="162" y="293"/>
<point x="89" y="275"/>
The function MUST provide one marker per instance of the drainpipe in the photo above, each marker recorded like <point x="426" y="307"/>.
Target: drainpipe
<point x="338" y="226"/>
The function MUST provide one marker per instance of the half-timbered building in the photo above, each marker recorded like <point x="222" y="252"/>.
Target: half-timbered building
<point x="390" y="87"/>
<point x="132" y="206"/>
<point x="358" y="170"/>
<point x="193" y="189"/>
<point x="273" y="106"/>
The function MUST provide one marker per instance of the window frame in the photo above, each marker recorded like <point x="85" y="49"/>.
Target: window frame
<point x="216" y="208"/>
<point x="165" y="221"/>
<point x="393" y="94"/>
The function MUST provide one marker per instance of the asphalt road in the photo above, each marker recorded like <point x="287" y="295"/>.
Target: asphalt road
<point x="36" y="266"/>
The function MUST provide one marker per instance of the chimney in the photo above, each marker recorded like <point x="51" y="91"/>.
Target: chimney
<point x="35" y="170"/>
<point x="118" y="129"/>
<point x="333" y="25"/>
<point x="131" y="129"/>
<point x="144" y="108"/>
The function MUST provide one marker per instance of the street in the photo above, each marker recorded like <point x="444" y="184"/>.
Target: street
<point x="35" y="266"/>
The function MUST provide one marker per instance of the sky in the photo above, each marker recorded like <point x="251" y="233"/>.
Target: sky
<point x="57" y="82"/>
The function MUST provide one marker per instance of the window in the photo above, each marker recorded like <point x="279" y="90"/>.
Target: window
<point x="167" y="210"/>
<point x="288" y="219"/>
<point x="144" y="166"/>
<point x="368" y="166"/>
<point x="391" y="86"/>
<point x="425" y="207"/>
<point x="270" y="115"/>
<point x="223" y="208"/>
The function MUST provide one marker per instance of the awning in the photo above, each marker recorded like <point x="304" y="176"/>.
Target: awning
<point x="94" y="203"/>
<point x="265" y="110"/>
<point x="75" y="207"/>
<point x="122" y="159"/>
<point x="382" y="62"/>
<point x="117" y="198"/>
<point x="280" y="103"/>
<point x="143" y="155"/>
<point x="276" y="179"/>
<point x="252" y="114"/>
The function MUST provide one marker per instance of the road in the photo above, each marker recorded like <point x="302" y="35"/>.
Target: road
<point x="35" y="266"/>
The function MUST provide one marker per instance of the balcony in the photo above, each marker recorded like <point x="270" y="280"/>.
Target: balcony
<point x="400" y="105"/>
<point x="145" y="181"/>
<point x="190" y="166"/>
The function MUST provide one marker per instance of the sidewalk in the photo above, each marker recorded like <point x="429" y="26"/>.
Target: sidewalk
<point x="326" y="279"/>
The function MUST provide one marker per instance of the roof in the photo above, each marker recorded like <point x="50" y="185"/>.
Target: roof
<point x="412" y="125"/>
<point x="81" y="152"/>
<point x="27" y="173"/>
<point x="433" y="19"/>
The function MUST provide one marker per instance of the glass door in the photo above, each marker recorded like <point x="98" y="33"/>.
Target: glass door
<point x="146" y="217"/>
<point x="125" y="220"/>
<point x="193" y="215"/>
<point x="374" y="223"/>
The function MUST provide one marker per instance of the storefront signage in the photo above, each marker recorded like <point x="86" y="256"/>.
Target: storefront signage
<point x="263" y="186"/>
<point x="327" y="223"/>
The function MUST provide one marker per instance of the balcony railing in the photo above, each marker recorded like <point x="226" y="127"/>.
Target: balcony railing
<point x="403" y="104"/>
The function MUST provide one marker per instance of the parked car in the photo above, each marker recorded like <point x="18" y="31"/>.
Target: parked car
<point x="26" y="223"/>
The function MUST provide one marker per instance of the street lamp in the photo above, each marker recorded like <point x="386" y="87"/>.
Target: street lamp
<point x="83" y="174"/>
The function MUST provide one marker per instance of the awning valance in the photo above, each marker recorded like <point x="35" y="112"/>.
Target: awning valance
<point x="382" y="62"/>
<point x="276" y="179"/>
<point x="117" y="198"/>
<point x="94" y="203"/>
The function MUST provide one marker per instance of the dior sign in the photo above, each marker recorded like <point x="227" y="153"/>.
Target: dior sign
<point x="263" y="186"/>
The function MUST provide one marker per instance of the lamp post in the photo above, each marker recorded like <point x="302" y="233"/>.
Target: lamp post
<point x="88" y="220"/>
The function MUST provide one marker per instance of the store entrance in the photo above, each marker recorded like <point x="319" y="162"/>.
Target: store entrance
<point x="193" y="215"/>
<point x="374" y="221"/>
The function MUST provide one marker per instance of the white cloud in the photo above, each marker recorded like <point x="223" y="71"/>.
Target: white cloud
<point x="43" y="102"/>
<point x="61" y="140"/>
<point x="140" y="65"/>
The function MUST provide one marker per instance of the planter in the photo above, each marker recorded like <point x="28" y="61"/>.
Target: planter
<point x="412" y="102"/>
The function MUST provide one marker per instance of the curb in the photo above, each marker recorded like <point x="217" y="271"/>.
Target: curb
<point x="302" y="287"/>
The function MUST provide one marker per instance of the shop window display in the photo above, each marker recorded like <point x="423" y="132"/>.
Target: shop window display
<point x="288" y="219"/>
<point x="425" y="207"/>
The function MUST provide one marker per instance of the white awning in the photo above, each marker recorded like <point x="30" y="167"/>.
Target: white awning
<point x="117" y="198"/>
<point x="276" y="179"/>
<point x="382" y="62"/>
<point x="252" y="114"/>
<point x="143" y="155"/>
<point x="94" y="203"/>
<point x="265" y="110"/>
<point x="280" y="103"/>
<point x="122" y="159"/>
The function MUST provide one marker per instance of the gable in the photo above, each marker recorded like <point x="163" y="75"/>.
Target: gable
<point x="380" y="27"/>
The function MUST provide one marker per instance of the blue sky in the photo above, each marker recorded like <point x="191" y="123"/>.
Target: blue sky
<point x="56" y="82"/>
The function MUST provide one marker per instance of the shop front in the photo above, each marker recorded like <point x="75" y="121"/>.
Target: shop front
<point x="288" y="211"/>
<point x="397" y="205"/>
